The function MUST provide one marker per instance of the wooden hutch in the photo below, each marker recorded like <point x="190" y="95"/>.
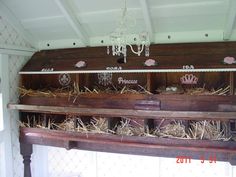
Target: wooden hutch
<point x="169" y="66"/>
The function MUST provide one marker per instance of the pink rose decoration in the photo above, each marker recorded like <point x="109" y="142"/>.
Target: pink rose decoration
<point x="229" y="60"/>
<point x="150" y="62"/>
<point x="80" y="64"/>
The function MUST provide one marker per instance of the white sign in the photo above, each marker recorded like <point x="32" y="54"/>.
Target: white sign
<point x="104" y="78"/>
<point x="64" y="79"/>
<point x="188" y="67"/>
<point x="125" y="81"/>
<point x="114" y="68"/>
<point x="47" y="69"/>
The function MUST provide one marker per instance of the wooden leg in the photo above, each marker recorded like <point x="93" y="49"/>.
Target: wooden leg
<point x="26" y="151"/>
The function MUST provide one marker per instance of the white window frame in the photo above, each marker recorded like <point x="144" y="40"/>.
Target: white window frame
<point x="5" y="131"/>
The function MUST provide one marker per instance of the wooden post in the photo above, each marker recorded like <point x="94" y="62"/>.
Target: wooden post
<point x="149" y="82"/>
<point x="26" y="151"/>
<point x="231" y="83"/>
<point x="77" y="81"/>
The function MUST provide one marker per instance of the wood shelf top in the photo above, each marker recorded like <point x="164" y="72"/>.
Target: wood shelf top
<point x="204" y="57"/>
<point x="154" y="114"/>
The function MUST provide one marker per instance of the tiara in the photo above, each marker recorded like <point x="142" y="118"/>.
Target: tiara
<point x="189" y="79"/>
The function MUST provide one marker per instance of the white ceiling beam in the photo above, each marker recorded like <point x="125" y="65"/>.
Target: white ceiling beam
<point x="230" y="20"/>
<point x="6" y="13"/>
<point x="147" y="19"/>
<point x="73" y="21"/>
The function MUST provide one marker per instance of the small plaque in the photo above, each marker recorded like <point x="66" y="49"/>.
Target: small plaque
<point x="64" y="79"/>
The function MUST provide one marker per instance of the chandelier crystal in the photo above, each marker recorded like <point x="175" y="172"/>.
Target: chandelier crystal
<point x="119" y="42"/>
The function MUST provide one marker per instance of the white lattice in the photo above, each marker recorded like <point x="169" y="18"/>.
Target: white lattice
<point x="9" y="36"/>
<point x="116" y="165"/>
<point x="15" y="64"/>
<point x="73" y="163"/>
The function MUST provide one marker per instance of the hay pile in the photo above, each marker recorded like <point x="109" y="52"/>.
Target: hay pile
<point x="130" y="127"/>
<point x="71" y="123"/>
<point x="96" y="125"/>
<point x="203" y="130"/>
<point x="45" y="93"/>
<point x="125" y="128"/>
<point x="36" y="122"/>
<point x="174" y="129"/>
<point x="209" y="130"/>
<point x="204" y="91"/>
<point x="67" y="125"/>
<point x="75" y="91"/>
<point x="193" y="90"/>
<point x="99" y="125"/>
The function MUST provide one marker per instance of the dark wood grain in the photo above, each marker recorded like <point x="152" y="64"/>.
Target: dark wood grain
<point x="138" y="101"/>
<point x="197" y="115"/>
<point x="168" y="56"/>
<point x="26" y="150"/>
<point x="231" y="83"/>
<point x="134" y="63"/>
<point x="129" y="145"/>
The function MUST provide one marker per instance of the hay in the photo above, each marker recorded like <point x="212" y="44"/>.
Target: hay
<point x="24" y="124"/>
<point x="75" y="91"/>
<point x="36" y="122"/>
<point x="194" y="91"/>
<point x="204" y="91"/>
<point x="62" y="92"/>
<point x="67" y="125"/>
<point x="202" y="130"/>
<point x="209" y="130"/>
<point x="174" y="129"/>
<point x="96" y="125"/>
<point x="99" y="125"/>
<point x="45" y="93"/>
<point x="125" y="128"/>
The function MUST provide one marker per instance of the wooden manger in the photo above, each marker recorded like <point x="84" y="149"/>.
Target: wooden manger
<point x="182" y="105"/>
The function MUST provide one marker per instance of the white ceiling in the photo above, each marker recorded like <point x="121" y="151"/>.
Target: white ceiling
<point x="60" y="23"/>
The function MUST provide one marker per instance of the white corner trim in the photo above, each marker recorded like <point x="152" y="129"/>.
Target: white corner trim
<point x="16" y="50"/>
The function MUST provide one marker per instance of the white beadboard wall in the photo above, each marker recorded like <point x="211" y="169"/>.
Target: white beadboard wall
<point x="58" y="162"/>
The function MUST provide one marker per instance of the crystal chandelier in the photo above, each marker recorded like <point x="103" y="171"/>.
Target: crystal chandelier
<point x="119" y="40"/>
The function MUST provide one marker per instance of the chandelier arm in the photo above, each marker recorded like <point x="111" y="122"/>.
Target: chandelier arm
<point x="138" y="52"/>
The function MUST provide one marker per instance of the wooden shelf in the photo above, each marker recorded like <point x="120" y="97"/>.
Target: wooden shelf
<point x="164" y="147"/>
<point x="145" y="114"/>
<point x="202" y="103"/>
